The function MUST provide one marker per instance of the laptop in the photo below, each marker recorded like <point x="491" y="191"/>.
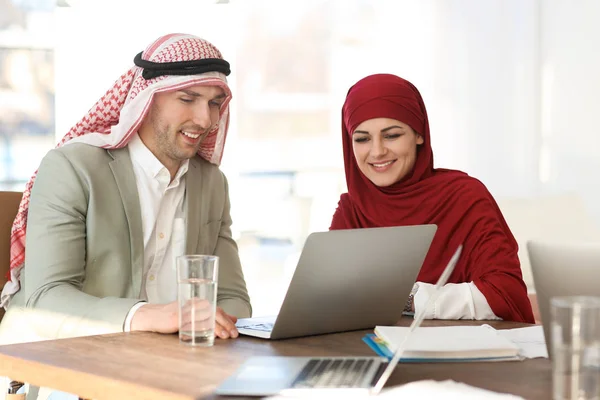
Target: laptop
<point x="562" y="270"/>
<point x="347" y="280"/>
<point x="327" y="376"/>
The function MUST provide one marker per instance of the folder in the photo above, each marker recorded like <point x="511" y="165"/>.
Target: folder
<point x="444" y="344"/>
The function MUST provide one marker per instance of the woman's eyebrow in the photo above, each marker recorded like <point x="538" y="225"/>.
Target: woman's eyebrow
<point x="382" y="131"/>
<point x="391" y="127"/>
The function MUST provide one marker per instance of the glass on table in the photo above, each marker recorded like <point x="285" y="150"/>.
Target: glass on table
<point x="575" y="349"/>
<point x="197" y="277"/>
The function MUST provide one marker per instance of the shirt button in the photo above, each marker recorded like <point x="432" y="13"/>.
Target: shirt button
<point x="161" y="235"/>
<point x="151" y="277"/>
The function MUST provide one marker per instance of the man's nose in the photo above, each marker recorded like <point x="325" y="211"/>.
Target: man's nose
<point x="202" y="116"/>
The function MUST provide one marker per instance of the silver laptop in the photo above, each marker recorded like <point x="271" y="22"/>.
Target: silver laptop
<point x="563" y="270"/>
<point x="331" y="376"/>
<point x="347" y="280"/>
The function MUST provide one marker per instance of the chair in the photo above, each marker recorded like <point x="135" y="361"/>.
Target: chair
<point x="559" y="218"/>
<point x="9" y="204"/>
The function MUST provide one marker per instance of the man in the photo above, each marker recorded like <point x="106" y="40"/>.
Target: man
<point x="133" y="185"/>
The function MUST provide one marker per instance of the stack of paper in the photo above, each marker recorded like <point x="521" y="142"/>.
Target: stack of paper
<point x="444" y="344"/>
<point x="426" y="389"/>
<point x="530" y="340"/>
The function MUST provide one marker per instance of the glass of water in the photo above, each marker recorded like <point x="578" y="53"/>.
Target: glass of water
<point x="575" y="349"/>
<point x="197" y="277"/>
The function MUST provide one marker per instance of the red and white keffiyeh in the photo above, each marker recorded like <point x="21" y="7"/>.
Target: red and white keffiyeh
<point x="116" y="117"/>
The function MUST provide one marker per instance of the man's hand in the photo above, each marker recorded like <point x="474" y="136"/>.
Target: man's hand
<point x="225" y="325"/>
<point x="164" y="318"/>
<point x="161" y="318"/>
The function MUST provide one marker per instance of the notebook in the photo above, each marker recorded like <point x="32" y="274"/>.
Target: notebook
<point x="444" y="343"/>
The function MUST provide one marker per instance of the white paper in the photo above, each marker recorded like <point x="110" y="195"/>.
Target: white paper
<point x="448" y="390"/>
<point x="530" y="340"/>
<point x="426" y="389"/>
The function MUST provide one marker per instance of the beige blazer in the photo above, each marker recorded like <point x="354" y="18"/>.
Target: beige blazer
<point x="83" y="264"/>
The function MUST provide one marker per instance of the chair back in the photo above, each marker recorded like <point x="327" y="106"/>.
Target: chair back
<point x="9" y="205"/>
<point x="561" y="218"/>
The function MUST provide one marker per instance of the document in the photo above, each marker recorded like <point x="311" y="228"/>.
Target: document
<point x="530" y="340"/>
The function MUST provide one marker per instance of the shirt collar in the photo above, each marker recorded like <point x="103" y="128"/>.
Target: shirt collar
<point x="141" y="155"/>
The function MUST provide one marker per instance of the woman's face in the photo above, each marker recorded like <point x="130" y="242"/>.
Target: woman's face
<point x="385" y="150"/>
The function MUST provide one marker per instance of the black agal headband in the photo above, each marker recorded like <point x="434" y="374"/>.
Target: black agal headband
<point x="193" y="67"/>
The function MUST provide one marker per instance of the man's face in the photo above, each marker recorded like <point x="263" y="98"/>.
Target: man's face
<point x="178" y="122"/>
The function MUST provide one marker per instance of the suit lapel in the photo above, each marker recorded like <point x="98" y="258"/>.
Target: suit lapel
<point x="193" y="191"/>
<point x="122" y="170"/>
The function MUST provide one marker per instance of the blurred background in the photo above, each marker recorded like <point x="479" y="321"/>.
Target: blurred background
<point x="511" y="86"/>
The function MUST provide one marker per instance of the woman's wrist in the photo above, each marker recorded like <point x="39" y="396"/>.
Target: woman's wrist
<point x="409" y="307"/>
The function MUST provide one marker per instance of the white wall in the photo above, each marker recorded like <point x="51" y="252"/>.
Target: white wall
<point x="571" y="99"/>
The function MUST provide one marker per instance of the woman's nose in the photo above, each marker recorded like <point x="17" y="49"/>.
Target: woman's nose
<point x="377" y="149"/>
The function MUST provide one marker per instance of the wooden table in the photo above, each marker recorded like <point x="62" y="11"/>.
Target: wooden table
<point x="152" y="366"/>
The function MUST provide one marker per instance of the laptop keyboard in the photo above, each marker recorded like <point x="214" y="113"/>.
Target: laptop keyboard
<point x="266" y="327"/>
<point x="332" y="373"/>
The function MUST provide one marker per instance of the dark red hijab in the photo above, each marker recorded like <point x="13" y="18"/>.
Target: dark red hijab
<point x="461" y="206"/>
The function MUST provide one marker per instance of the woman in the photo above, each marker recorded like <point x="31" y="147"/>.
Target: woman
<point x="391" y="181"/>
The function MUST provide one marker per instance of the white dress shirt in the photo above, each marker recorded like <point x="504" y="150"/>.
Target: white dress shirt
<point x="162" y="204"/>
<point x="455" y="301"/>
